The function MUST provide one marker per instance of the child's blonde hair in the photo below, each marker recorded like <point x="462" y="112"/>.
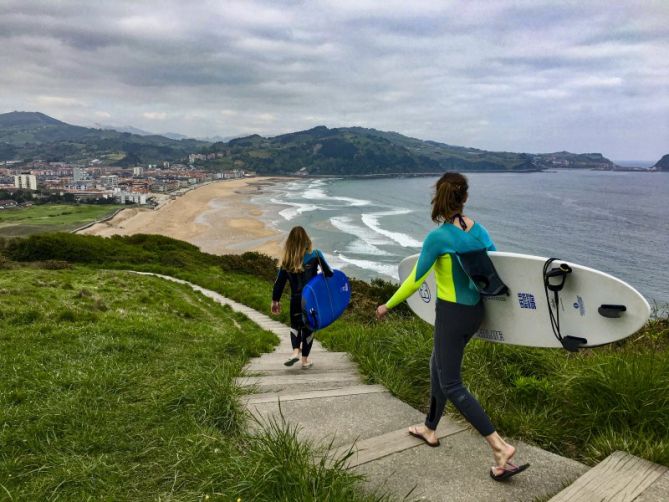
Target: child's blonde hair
<point x="297" y="244"/>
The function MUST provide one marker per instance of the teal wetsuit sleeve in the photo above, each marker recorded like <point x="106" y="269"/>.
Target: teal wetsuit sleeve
<point x="432" y="249"/>
<point x="486" y="240"/>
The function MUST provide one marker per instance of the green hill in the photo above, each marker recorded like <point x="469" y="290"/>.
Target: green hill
<point x="360" y="151"/>
<point x="32" y="135"/>
<point x="662" y="164"/>
<point x="356" y="151"/>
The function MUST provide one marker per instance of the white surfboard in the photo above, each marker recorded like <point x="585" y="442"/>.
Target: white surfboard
<point x="522" y="317"/>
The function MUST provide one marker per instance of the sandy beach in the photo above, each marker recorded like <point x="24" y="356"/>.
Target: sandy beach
<point x="217" y="217"/>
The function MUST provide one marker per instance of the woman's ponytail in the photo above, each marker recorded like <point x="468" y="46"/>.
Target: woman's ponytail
<point x="450" y="197"/>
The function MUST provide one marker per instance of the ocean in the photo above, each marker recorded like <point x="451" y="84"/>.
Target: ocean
<point x="617" y="222"/>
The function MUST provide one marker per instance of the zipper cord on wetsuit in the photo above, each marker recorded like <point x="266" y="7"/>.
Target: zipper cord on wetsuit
<point x="461" y="220"/>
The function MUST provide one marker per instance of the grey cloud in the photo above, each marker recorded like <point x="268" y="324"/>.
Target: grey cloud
<point x="508" y="75"/>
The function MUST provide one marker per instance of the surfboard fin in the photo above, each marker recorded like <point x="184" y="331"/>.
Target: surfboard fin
<point x="611" y="311"/>
<point x="573" y="343"/>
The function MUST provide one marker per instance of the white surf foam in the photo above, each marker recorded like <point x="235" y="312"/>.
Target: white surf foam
<point x="404" y="240"/>
<point x="361" y="247"/>
<point x="319" y="194"/>
<point x="381" y="268"/>
<point x="346" y="225"/>
<point x="295" y="208"/>
<point x="366" y="242"/>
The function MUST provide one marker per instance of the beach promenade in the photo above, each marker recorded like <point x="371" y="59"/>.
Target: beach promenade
<point x="333" y="408"/>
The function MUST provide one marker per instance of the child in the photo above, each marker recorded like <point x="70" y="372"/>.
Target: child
<point x="298" y="266"/>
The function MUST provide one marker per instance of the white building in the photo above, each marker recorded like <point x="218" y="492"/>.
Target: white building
<point x="78" y="174"/>
<point x="135" y="198"/>
<point x="138" y="171"/>
<point x="26" y="181"/>
<point x="109" y="181"/>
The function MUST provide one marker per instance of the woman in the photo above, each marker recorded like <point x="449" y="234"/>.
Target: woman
<point x="459" y="314"/>
<point x="298" y="266"/>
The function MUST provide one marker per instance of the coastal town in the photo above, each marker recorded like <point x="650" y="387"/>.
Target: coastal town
<point x="94" y="182"/>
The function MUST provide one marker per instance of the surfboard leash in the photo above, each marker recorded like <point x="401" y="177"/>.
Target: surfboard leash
<point x="570" y="343"/>
<point x="327" y="286"/>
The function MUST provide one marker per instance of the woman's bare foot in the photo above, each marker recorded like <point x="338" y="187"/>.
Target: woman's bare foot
<point x="503" y="457"/>
<point x="502" y="452"/>
<point x="427" y="435"/>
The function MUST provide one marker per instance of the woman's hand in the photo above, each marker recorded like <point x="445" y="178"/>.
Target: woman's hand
<point x="276" y="308"/>
<point x="381" y="311"/>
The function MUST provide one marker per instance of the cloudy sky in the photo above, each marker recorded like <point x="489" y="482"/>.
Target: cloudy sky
<point x="525" y="75"/>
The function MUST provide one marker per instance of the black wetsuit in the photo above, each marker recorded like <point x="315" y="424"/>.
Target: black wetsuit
<point x="299" y="333"/>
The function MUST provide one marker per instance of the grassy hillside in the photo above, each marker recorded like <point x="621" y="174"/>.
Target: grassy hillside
<point x="50" y="218"/>
<point x="582" y="405"/>
<point x="120" y="387"/>
<point x="355" y="151"/>
<point x="360" y="151"/>
<point x="28" y="135"/>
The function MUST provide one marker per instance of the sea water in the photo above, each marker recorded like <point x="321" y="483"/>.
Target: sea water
<point x="617" y="222"/>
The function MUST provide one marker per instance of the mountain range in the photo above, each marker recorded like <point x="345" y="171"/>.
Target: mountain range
<point x="317" y="151"/>
<point x="33" y="135"/>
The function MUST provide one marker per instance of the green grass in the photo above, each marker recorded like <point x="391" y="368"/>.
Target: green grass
<point x="50" y="218"/>
<point x="583" y="405"/>
<point x="121" y="387"/>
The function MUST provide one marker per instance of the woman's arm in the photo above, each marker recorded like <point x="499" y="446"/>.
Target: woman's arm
<point x="279" y="285"/>
<point x="277" y="291"/>
<point x="432" y="248"/>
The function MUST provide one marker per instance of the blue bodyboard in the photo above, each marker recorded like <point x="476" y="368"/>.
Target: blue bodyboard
<point x="324" y="299"/>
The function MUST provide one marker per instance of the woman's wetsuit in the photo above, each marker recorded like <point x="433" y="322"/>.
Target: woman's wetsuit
<point x="299" y="333"/>
<point x="459" y="315"/>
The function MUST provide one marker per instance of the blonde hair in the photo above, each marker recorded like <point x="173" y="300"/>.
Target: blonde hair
<point x="297" y="244"/>
<point x="450" y="197"/>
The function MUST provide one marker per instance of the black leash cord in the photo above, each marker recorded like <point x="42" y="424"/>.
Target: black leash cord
<point x="555" y="318"/>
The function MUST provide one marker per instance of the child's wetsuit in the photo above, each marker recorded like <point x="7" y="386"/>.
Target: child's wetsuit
<point x="459" y="315"/>
<point x="299" y="333"/>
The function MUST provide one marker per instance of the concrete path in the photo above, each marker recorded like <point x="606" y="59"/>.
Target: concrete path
<point x="333" y="408"/>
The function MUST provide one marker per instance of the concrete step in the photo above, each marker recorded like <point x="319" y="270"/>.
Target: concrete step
<point x="275" y="397"/>
<point x="276" y="367"/>
<point x="286" y="349"/>
<point x="273" y="358"/>
<point x="301" y="381"/>
<point x="458" y="471"/>
<point x="341" y="420"/>
<point x="381" y="446"/>
<point x="283" y="351"/>
<point x="620" y="477"/>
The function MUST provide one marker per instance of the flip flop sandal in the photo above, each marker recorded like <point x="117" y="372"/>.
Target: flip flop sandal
<point x="291" y="361"/>
<point x="507" y="473"/>
<point x="307" y="366"/>
<point x="421" y="437"/>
